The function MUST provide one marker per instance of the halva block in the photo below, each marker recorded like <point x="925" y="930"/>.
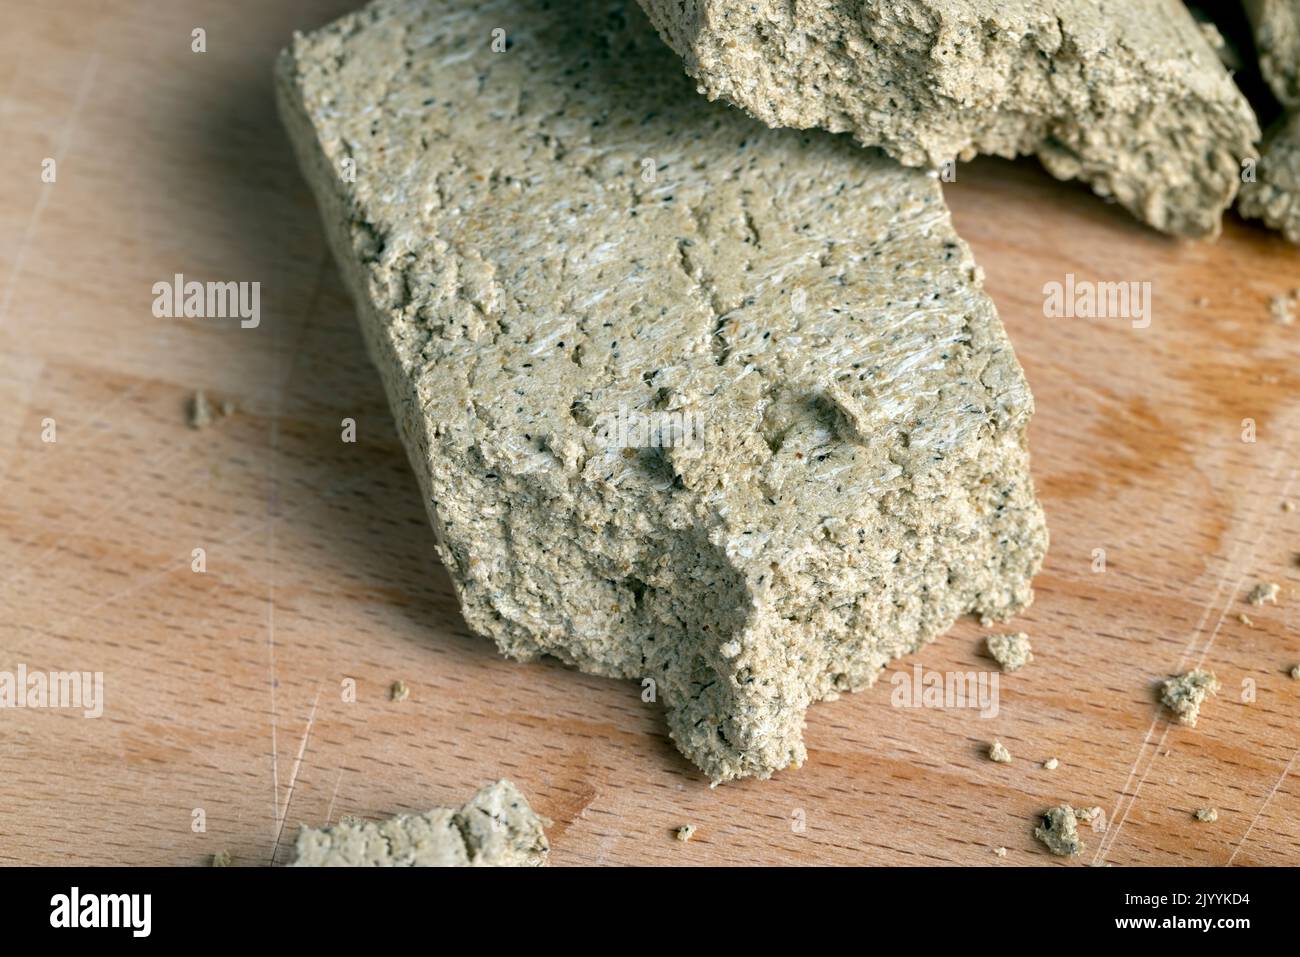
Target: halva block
<point x="718" y="408"/>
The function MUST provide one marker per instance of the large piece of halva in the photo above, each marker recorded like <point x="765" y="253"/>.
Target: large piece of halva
<point x="496" y="828"/>
<point x="1274" y="193"/>
<point x="714" y="407"/>
<point x="1276" y="25"/>
<point x="1126" y="95"/>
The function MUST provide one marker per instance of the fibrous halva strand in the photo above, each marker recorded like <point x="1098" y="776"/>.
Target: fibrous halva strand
<point x="1127" y="95"/>
<point x="561" y="255"/>
<point x="496" y="828"/>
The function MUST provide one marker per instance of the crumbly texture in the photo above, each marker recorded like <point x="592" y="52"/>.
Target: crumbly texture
<point x="540" y="239"/>
<point x="1274" y="196"/>
<point x="999" y="753"/>
<point x="1012" y="652"/>
<point x="1276" y="25"/>
<point x="496" y="828"/>
<point x="1208" y="815"/>
<point x="1126" y="95"/>
<point x="1059" y="832"/>
<point x="1295" y="672"/>
<point x="399" y="691"/>
<point x="1184" y="694"/>
<point x="1051" y="764"/>
<point x="1264" y="592"/>
<point x="221" y="859"/>
<point x="685" y="832"/>
<point x="1000" y="851"/>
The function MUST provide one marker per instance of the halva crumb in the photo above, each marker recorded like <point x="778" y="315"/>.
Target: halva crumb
<point x="1207" y="814"/>
<point x="200" y="411"/>
<point x="1282" y="308"/>
<point x="1010" y="651"/>
<point x="1000" y="851"/>
<point x="1059" y="832"/>
<point x="1184" y="694"/>
<point x="1051" y="764"/>
<point x="999" y="753"/>
<point x="1090" y="815"/>
<point x="685" y="832"/>
<point x="399" y="691"/>
<point x="1264" y="592"/>
<point x="221" y="859"/>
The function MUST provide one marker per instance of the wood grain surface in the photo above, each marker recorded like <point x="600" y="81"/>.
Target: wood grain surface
<point x="226" y="690"/>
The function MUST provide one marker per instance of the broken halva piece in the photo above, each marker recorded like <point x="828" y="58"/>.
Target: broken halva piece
<point x="1276" y="26"/>
<point x="1126" y="95"/>
<point x="1274" y="195"/>
<point x="558" y="248"/>
<point x="496" y="828"/>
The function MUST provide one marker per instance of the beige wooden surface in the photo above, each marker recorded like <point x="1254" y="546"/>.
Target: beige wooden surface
<point x="224" y="690"/>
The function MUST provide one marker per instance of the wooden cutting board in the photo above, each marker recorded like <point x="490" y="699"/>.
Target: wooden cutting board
<point x="227" y="720"/>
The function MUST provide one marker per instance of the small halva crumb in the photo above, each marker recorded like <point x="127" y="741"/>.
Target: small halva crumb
<point x="399" y="691"/>
<point x="1282" y="308"/>
<point x="1264" y="592"/>
<point x="1011" y="651"/>
<point x="1000" y="851"/>
<point x="1059" y="833"/>
<point x="200" y="411"/>
<point x="1207" y="814"/>
<point x="221" y="859"/>
<point x="685" y="832"/>
<point x="1090" y="815"/>
<point x="1051" y="764"/>
<point x="999" y="753"/>
<point x="1295" y="672"/>
<point x="1245" y="620"/>
<point x="1288" y="506"/>
<point x="1184" y="694"/>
